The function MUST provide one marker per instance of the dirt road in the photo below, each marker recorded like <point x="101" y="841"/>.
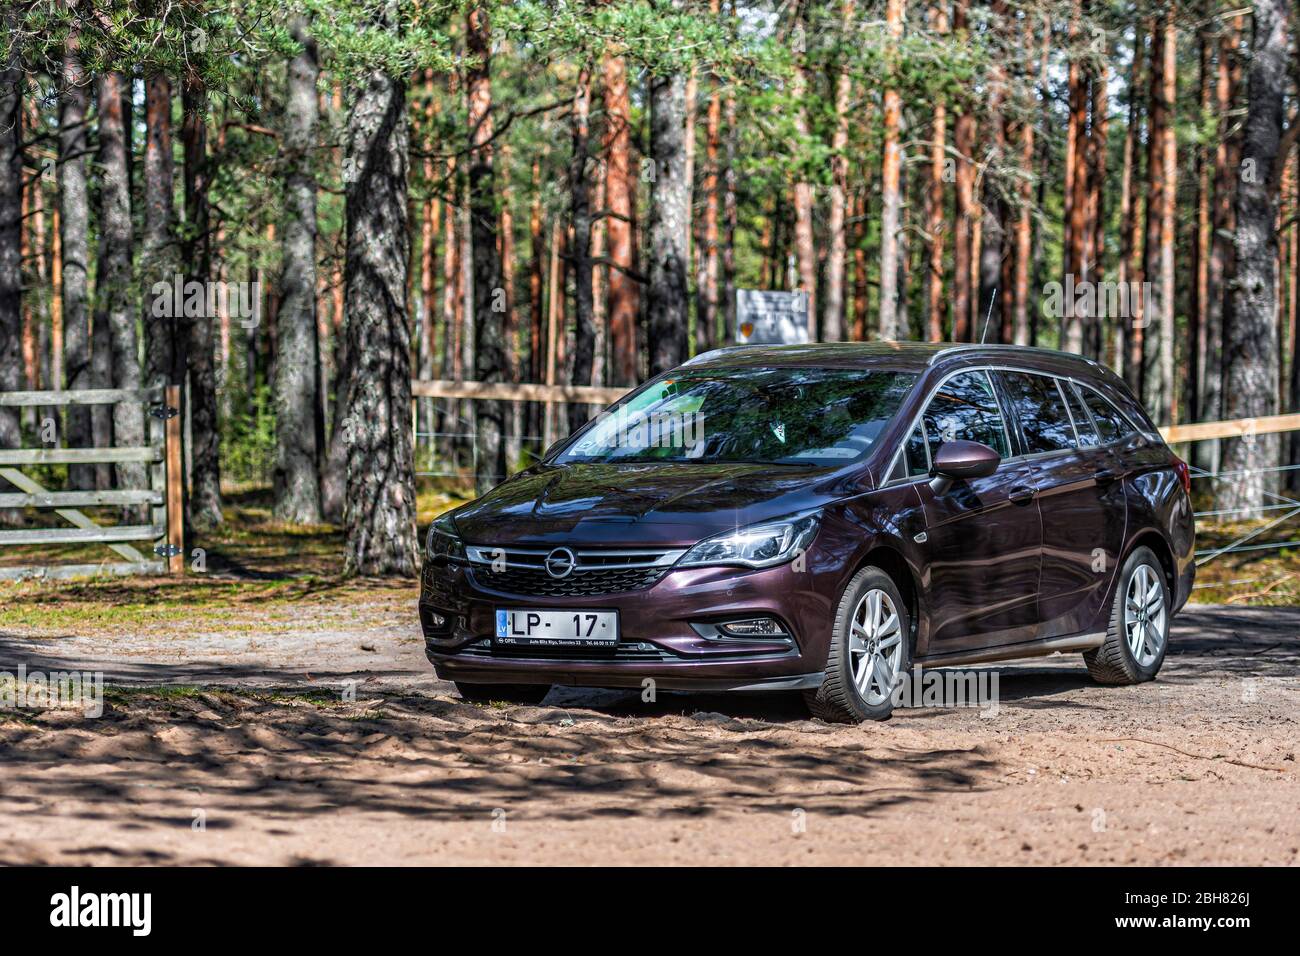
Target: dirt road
<point x="255" y="756"/>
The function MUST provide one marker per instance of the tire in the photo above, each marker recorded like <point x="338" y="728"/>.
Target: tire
<point x="1115" y="661"/>
<point x="841" y="698"/>
<point x="510" y="693"/>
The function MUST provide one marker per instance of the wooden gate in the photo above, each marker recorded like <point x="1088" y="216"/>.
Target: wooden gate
<point x="163" y="536"/>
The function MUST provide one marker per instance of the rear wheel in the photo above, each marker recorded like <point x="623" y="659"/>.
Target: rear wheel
<point x="1139" y="625"/>
<point x="510" y="693"/>
<point x="870" y="651"/>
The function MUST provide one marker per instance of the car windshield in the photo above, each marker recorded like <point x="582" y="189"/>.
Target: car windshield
<point x="787" y="416"/>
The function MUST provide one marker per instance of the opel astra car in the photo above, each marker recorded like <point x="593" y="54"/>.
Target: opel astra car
<point x="822" y="518"/>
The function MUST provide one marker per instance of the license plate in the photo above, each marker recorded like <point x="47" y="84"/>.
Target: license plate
<point x="524" y="627"/>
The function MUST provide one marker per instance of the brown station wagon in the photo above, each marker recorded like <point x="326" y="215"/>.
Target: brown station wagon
<point x="823" y="518"/>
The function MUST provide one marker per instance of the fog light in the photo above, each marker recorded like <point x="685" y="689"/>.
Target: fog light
<point x="433" y="622"/>
<point x="754" y="627"/>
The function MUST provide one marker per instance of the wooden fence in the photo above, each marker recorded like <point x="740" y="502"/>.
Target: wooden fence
<point x="1237" y="428"/>
<point x="509" y="392"/>
<point x="163" y="496"/>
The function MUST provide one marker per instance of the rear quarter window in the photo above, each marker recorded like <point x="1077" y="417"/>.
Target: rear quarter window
<point x="1111" y="424"/>
<point x="1129" y="407"/>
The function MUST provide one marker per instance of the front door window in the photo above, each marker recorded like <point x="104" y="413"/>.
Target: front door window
<point x="966" y="409"/>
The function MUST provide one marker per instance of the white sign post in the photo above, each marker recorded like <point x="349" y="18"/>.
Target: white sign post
<point x="771" y="318"/>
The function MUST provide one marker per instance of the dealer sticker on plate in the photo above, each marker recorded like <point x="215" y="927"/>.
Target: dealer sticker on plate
<point x="525" y="627"/>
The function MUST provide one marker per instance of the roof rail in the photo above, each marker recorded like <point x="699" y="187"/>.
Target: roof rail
<point x="713" y="353"/>
<point x="1002" y="346"/>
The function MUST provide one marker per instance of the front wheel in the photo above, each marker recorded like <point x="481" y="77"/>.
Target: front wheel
<point x="1139" y="625"/>
<point x="509" y="693"/>
<point x="870" y="651"/>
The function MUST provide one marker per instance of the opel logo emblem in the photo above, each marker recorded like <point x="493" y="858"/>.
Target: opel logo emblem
<point x="560" y="563"/>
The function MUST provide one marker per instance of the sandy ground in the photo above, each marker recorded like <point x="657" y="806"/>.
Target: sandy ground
<point x="269" y="763"/>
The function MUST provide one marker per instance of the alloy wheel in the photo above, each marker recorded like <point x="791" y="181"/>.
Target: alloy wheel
<point x="875" y="647"/>
<point x="1144" y="615"/>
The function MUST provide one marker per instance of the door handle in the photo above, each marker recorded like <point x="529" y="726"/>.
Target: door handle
<point x="1106" y="476"/>
<point x="1021" y="495"/>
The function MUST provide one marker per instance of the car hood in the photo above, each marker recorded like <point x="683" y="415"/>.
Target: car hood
<point x="639" y="504"/>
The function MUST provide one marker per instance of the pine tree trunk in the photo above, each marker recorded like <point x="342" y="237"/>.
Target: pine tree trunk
<point x="204" y="502"/>
<point x="1076" y="199"/>
<point x="1153" y="394"/>
<point x="1129" y="268"/>
<point x="804" y="243"/>
<point x="488" y="314"/>
<point x="1222" y="222"/>
<point x="510" y="331"/>
<point x="380" y="500"/>
<point x="624" y="295"/>
<point x="430" y="223"/>
<point x="891" y="196"/>
<point x="1070" y="164"/>
<point x="113" y="290"/>
<point x="861" y="293"/>
<point x="1293" y="390"/>
<point x="1023" y="242"/>
<point x="157" y="244"/>
<point x="297" y="404"/>
<point x="730" y="212"/>
<point x="1200" y="249"/>
<point x="1095" y="245"/>
<point x="902" y="316"/>
<point x="1250" y="339"/>
<point x="706" y="285"/>
<point x="584" y="335"/>
<point x="31" y="368"/>
<point x="101" y="357"/>
<point x="833" y="308"/>
<point x="992" y="229"/>
<point x="1162" y="168"/>
<point x="11" y="267"/>
<point x="453" y="305"/>
<point x="334" y="472"/>
<point x="1166" y="410"/>
<point x="74" y="225"/>
<point x="964" y="143"/>
<point x="670" y="193"/>
<point x="1135" y="368"/>
<point x="1039" y="267"/>
<point x="935" y="222"/>
<point x="600" y="319"/>
<point x="506" y="232"/>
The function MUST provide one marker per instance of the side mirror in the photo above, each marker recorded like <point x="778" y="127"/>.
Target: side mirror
<point x="960" y="461"/>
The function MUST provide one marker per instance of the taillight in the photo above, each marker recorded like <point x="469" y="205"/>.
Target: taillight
<point x="1184" y="474"/>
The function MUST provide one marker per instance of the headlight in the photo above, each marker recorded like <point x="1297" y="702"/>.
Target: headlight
<point x="444" y="540"/>
<point x="758" y="546"/>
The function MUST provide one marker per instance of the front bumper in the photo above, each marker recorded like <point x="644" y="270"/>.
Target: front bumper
<point x="664" y="632"/>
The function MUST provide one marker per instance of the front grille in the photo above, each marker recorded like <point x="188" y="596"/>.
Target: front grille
<point x="595" y="572"/>
<point x="578" y="584"/>
<point x="636" y="652"/>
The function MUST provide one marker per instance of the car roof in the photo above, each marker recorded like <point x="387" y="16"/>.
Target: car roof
<point x="910" y="356"/>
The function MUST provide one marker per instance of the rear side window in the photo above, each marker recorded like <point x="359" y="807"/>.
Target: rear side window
<point x="965" y="408"/>
<point x="1083" y="425"/>
<point x="1040" y="409"/>
<point x="1111" y="425"/>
